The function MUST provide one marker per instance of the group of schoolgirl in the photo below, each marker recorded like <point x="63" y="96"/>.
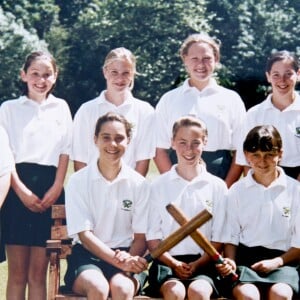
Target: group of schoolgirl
<point x="115" y="215"/>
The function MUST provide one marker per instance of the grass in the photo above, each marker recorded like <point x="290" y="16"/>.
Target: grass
<point x="3" y="266"/>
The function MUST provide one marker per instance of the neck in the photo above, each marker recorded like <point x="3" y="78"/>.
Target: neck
<point x="109" y="170"/>
<point x="116" y="98"/>
<point x="188" y="172"/>
<point x="199" y="85"/>
<point x="283" y="101"/>
<point x="266" y="179"/>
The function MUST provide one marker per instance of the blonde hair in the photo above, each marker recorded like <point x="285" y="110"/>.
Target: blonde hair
<point x="200" y="38"/>
<point x="124" y="54"/>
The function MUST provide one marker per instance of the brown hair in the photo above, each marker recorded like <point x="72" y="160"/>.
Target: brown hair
<point x="110" y="117"/>
<point x="200" y="38"/>
<point x="33" y="56"/>
<point x="282" y="55"/>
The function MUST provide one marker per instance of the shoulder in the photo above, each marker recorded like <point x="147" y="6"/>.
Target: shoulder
<point x="142" y="105"/>
<point x="12" y="102"/>
<point x="169" y="95"/>
<point x="231" y="94"/>
<point x="215" y="181"/>
<point x="88" y="105"/>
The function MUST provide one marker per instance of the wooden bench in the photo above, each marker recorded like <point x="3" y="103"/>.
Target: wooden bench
<point x="58" y="248"/>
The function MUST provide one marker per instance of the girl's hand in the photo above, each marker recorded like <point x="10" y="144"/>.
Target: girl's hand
<point x="32" y="202"/>
<point x="227" y="267"/>
<point x="267" y="265"/>
<point x="121" y="256"/>
<point x="134" y="264"/>
<point x="183" y="270"/>
<point x="51" y="196"/>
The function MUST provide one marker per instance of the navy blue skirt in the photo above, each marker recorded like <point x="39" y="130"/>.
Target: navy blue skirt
<point x="21" y="226"/>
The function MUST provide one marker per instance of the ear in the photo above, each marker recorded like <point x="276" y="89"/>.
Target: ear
<point x="23" y="76"/>
<point x="268" y="77"/>
<point x="173" y="145"/>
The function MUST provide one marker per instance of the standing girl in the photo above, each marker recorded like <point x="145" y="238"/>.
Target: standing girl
<point x="221" y="109"/>
<point x="185" y="271"/>
<point x="264" y="222"/>
<point x="6" y="168"/>
<point x="107" y="213"/>
<point x="281" y="109"/>
<point x="119" y="71"/>
<point x="39" y="128"/>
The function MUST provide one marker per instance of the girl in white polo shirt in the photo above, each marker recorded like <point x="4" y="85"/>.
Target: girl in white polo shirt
<point x="39" y="128"/>
<point x="119" y="70"/>
<point x="185" y="271"/>
<point x="6" y="167"/>
<point x="281" y="109"/>
<point x="264" y="222"/>
<point x="221" y="109"/>
<point x="107" y="213"/>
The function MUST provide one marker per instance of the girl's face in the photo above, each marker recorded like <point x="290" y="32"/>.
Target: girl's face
<point x="263" y="162"/>
<point x="282" y="77"/>
<point x="112" y="141"/>
<point x="40" y="78"/>
<point x="119" y="75"/>
<point x="200" y="63"/>
<point x="188" y="143"/>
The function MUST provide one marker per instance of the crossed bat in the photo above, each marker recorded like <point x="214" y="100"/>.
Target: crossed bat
<point x="188" y="227"/>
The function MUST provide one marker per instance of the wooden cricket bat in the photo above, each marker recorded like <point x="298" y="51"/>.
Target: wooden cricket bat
<point x="198" y="237"/>
<point x="179" y="234"/>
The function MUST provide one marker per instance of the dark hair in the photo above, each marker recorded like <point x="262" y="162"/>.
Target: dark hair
<point x="33" y="57"/>
<point x="187" y="121"/>
<point x="110" y="117"/>
<point x="263" y="138"/>
<point x="282" y="55"/>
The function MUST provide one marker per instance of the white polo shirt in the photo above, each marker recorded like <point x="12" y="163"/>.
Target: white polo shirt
<point x="221" y="109"/>
<point x="6" y="157"/>
<point x="139" y="113"/>
<point x="287" y="122"/>
<point x="114" y="211"/>
<point x="38" y="133"/>
<point x="264" y="216"/>
<point x="206" y="191"/>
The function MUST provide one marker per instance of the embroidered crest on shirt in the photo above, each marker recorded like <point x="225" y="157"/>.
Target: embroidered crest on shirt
<point x="297" y="132"/>
<point x="127" y="204"/>
<point x="209" y="204"/>
<point x="286" y="211"/>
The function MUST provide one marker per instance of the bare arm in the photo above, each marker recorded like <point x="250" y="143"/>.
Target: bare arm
<point x="78" y="165"/>
<point x="99" y="249"/>
<point x="162" y="160"/>
<point x="139" y="245"/>
<point x="55" y="190"/>
<point x="234" y="173"/>
<point x="142" y="166"/>
<point x="4" y="187"/>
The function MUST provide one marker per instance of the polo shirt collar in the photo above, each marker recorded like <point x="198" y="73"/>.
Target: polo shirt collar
<point x="96" y="175"/>
<point x="101" y="99"/>
<point x="211" y="88"/>
<point x="202" y="177"/>
<point x="294" y="106"/>
<point x="280" y="181"/>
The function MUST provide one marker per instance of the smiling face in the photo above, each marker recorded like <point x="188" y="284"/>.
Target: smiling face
<point x="283" y="77"/>
<point x="119" y="75"/>
<point x="200" y="63"/>
<point x="40" y="77"/>
<point x="112" y="141"/>
<point x="188" y="143"/>
<point x="263" y="163"/>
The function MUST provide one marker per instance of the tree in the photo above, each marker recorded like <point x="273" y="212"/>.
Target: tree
<point x="256" y="27"/>
<point x="15" y="43"/>
<point x="152" y="30"/>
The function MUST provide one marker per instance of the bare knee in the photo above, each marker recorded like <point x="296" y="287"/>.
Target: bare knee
<point x="173" y="290"/>
<point x="91" y="283"/>
<point x="246" y="291"/>
<point x="200" y="289"/>
<point x="280" y="291"/>
<point x="122" y="287"/>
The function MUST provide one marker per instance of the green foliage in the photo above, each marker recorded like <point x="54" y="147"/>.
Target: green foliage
<point x="81" y="32"/>
<point x="15" y="43"/>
